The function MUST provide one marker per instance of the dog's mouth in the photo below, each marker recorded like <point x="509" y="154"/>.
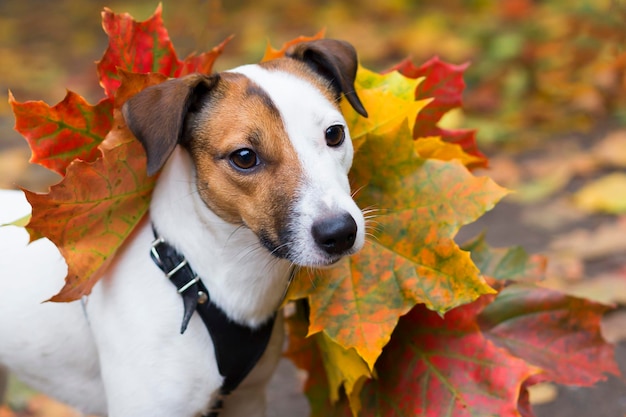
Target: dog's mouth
<point x="323" y="247"/>
<point x="280" y="248"/>
<point x="304" y="259"/>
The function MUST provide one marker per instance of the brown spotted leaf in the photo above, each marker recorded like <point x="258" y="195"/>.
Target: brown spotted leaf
<point x="412" y="258"/>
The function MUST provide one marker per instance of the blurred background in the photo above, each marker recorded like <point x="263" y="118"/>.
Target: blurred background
<point x="546" y="90"/>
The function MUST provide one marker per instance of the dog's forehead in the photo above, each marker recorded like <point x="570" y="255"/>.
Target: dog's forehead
<point x="300" y="97"/>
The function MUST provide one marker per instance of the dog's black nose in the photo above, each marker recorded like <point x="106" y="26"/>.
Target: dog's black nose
<point x="335" y="234"/>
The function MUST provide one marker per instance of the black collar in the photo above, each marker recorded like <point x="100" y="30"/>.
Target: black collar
<point x="237" y="347"/>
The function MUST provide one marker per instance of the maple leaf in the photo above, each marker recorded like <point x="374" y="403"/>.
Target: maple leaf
<point x="435" y="148"/>
<point x="480" y="358"/>
<point x="443" y="83"/>
<point x="432" y="366"/>
<point x="558" y="333"/>
<point x="70" y="130"/>
<point x="89" y="214"/>
<point x="145" y="47"/>
<point x="105" y="191"/>
<point x="389" y="100"/>
<point x="413" y="260"/>
<point x="509" y="264"/>
<point x="449" y="368"/>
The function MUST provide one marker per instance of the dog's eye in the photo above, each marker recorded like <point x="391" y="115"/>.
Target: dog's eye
<point x="244" y="159"/>
<point x="335" y="135"/>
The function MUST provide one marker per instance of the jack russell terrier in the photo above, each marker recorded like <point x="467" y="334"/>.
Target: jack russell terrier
<point x="254" y="184"/>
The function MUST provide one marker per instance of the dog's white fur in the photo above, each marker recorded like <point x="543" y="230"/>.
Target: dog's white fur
<point x="118" y="352"/>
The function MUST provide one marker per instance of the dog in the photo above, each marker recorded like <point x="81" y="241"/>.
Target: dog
<point x="252" y="183"/>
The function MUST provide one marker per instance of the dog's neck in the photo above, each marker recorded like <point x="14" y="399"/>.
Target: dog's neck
<point x="242" y="277"/>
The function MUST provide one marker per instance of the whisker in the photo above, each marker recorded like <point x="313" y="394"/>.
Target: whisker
<point x="311" y="276"/>
<point x="370" y="236"/>
<point x="248" y="252"/>
<point x="355" y="192"/>
<point x="279" y="247"/>
<point x="238" y="228"/>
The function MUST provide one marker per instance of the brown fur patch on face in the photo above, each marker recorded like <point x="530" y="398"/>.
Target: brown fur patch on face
<point x="238" y="114"/>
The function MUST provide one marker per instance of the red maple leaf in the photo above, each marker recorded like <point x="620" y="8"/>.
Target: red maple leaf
<point x="555" y="332"/>
<point x="70" y="130"/>
<point x="443" y="83"/>
<point x="145" y="47"/>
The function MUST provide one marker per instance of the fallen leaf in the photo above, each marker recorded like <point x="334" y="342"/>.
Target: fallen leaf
<point x="305" y="353"/>
<point x="590" y="244"/>
<point x="606" y="288"/>
<point x="607" y="194"/>
<point x="614" y="326"/>
<point x="135" y="47"/>
<point x="90" y="213"/>
<point x="611" y="150"/>
<point x="542" y="393"/>
<point x="556" y="213"/>
<point x="543" y="185"/>
<point x="351" y="375"/>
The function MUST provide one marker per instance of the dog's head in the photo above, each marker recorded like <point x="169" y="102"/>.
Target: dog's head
<point x="270" y="147"/>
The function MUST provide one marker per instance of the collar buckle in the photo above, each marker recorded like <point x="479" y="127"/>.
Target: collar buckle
<point x="154" y="251"/>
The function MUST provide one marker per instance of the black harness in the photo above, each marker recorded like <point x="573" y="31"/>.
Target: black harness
<point x="237" y="347"/>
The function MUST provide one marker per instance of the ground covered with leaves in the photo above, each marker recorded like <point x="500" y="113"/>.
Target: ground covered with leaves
<point x="528" y="102"/>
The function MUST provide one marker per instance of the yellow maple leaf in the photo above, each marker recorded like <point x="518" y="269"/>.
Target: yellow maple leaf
<point x="435" y="148"/>
<point x="389" y="100"/>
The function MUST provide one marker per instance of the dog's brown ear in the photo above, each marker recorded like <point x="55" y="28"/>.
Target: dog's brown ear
<point x="335" y="60"/>
<point x="156" y="115"/>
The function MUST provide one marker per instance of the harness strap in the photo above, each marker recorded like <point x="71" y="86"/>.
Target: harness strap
<point x="237" y="347"/>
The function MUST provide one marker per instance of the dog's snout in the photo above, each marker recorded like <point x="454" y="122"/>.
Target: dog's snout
<point x="335" y="234"/>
